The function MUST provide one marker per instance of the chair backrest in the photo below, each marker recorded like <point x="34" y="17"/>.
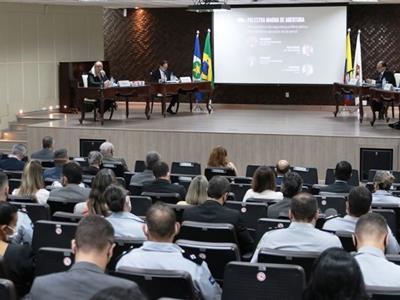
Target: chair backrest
<point x="13" y="174"/>
<point x="304" y="259"/>
<point x="60" y="204"/>
<point x="217" y="255"/>
<point x="243" y="180"/>
<point x="346" y="238"/>
<point x="140" y="166"/>
<point x="250" y="212"/>
<point x="171" y="198"/>
<point x="117" y="168"/>
<point x="135" y="189"/>
<point x="390" y="206"/>
<point x="208" y="232"/>
<point x="211" y="172"/>
<point x="52" y="260"/>
<point x="390" y="217"/>
<point x="239" y="189"/>
<point x="128" y="176"/>
<point x="354" y="179"/>
<point x="309" y="175"/>
<point x="186" y="167"/>
<point x="13" y="184"/>
<point x="47" y="163"/>
<point x="183" y="180"/>
<point x="7" y="290"/>
<point x="35" y="211"/>
<point x="371" y="175"/>
<point x="52" y="234"/>
<point x="140" y="205"/>
<point x="82" y="161"/>
<point x="263" y="281"/>
<point x="179" y="210"/>
<point x="62" y="216"/>
<point x="250" y="169"/>
<point x="264" y="225"/>
<point x="383" y="293"/>
<point x="331" y="205"/>
<point x="122" y="246"/>
<point x="20" y="199"/>
<point x="155" y="284"/>
<point x="87" y="180"/>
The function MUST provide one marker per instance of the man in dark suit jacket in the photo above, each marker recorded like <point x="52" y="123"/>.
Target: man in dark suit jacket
<point x="213" y="211"/>
<point x="93" y="247"/>
<point x="163" y="75"/>
<point x="46" y="153"/>
<point x="162" y="183"/>
<point x="14" y="162"/>
<point x="342" y="175"/>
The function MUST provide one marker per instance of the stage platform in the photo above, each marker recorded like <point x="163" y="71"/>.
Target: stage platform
<point x="252" y="134"/>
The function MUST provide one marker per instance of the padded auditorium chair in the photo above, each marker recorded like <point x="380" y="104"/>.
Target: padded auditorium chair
<point x="264" y="225"/>
<point x="128" y="176"/>
<point x="208" y="232"/>
<point x="13" y="174"/>
<point x="82" y="161"/>
<point x="346" y="238"/>
<point x="140" y="166"/>
<point x="35" y="211"/>
<point x="60" y="204"/>
<point x="250" y="169"/>
<point x="383" y="293"/>
<point x="155" y="284"/>
<point x="13" y="184"/>
<point x="53" y="260"/>
<point x="211" y="172"/>
<point x="239" y="189"/>
<point x="140" y="205"/>
<point x="122" y="246"/>
<point x="330" y="177"/>
<point x="305" y="259"/>
<point x="309" y="175"/>
<point x="331" y="205"/>
<point x="179" y="210"/>
<point x="20" y="199"/>
<point x="183" y="180"/>
<point x="242" y="180"/>
<point x="52" y="234"/>
<point x="7" y="290"/>
<point x="390" y="217"/>
<point x="61" y="216"/>
<point x="117" y="168"/>
<point x="185" y="168"/>
<point x="217" y="255"/>
<point x="171" y="198"/>
<point x="135" y="189"/>
<point x="257" y="281"/>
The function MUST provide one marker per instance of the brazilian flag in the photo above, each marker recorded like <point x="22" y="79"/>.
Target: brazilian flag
<point x="206" y="67"/>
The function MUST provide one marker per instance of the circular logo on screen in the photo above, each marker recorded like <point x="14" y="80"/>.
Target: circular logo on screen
<point x="261" y="276"/>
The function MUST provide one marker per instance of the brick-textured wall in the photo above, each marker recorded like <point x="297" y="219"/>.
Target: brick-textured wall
<point x="134" y="45"/>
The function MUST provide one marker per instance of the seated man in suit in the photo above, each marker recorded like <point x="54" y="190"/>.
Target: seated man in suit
<point x="370" y="239"/>
<point x="71" y="191"/>
<point x="95" y="160"/>
<point x="46" y="153"/>
<point x="107" y="150"/>
<point x="358" y="204"/>
<point x="214" y="211"/>
<point x="342" y="175"/>
<point x="282" y="167"/>
<point x="60" y="159"/>
<point x="93" y="247"/>
<point x="292" y="185"/>
<point x="160" y="252"/>
<point x="152" y="158"/>
<point x="14" y="162"/>
<point x="301" y="235"/>
<point x="164" y="75"/>
<point x="162" y="183"/>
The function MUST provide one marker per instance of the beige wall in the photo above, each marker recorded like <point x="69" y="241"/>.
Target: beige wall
<point x="33" y="39"/>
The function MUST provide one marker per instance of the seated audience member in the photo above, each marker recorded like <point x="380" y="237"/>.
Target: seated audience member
<point x="60" y="159"/>
<point x="46" y="153"/>
<point x="152" y="158"/>
<point x="126" y="224"/>
<point x="160" y="252"/>
<point x="32" y="184"/>
<point x="71" y="178"/>
<point x="162" y="183"/>
<point x="382" y="183"/>
<point x="24" y="228"/>
<point x="95" y="160"/>
<point x="214" y="211"/>
<point x="292" y="184"/>
<point x="282" y="167"/>
<point x="219" y="159"/>
<point x="17" y="261"/>
<point x="263" y="185"/>
<point x="335" y="275"/>
<point x="197" y="191"/>
<point x="301" y="235"/>
<point x="14" y="162"/>
<point x="107" y="150"/>
<point x="96" y="204"/>
<point x="93" y="247"/>
<point x="358" y="204"/>
<point x="342" y="175"/>
<point x="370" y="239"/>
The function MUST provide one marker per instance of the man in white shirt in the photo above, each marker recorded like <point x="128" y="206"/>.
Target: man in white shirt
<point x="358" y="204"/>
<point x="301" y="235"/>
<point x="383" y="181"/>
<point x="370" y="239"/>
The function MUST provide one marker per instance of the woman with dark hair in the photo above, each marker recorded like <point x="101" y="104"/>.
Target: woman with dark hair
<point x="219" y="159"/>
<point x="96" y="205"/>
<point x="263" y="185"/>
<point x="17" y="259"/>
<point x="335" y="276"/>
<point x="126" y="224"/>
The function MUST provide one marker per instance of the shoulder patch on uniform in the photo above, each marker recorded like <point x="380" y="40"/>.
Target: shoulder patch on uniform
<point x="192" y="257"/>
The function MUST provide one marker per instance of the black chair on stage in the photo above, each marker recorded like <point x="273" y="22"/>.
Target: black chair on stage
<point x="257" y="281"/>
<point x="211" y="172"/>
<point x="208" y="232"/>
<point x="155" y="284"/>
<point x="240" y="189"/>
<point x="264" y="225"/>
<point x="122" y="246"/>
<point x="171" y="198"/>
<point x="140" y="205"/>
<point x="7" y="290"/>
<point x="35" y="211"/>
<point x="186" y="168"/>
<point x="53" y="260"/>
<point x="61" y="216"/>
<point x="330" y="177"/>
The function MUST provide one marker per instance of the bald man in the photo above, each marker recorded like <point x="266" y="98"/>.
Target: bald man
<point x="281" y="168"/>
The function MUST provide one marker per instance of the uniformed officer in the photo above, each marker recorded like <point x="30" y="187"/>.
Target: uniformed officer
<point x="370" y="239"/>
<point x="301" y="235"/>
<point x="358" y="204"/>
<point x="160" y="253"/>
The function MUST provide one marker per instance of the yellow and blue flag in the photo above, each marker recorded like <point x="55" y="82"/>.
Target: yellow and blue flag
<point x="206" y="67"/>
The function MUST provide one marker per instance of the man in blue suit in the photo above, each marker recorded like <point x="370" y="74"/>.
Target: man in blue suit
<point x="14" y="162"/>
